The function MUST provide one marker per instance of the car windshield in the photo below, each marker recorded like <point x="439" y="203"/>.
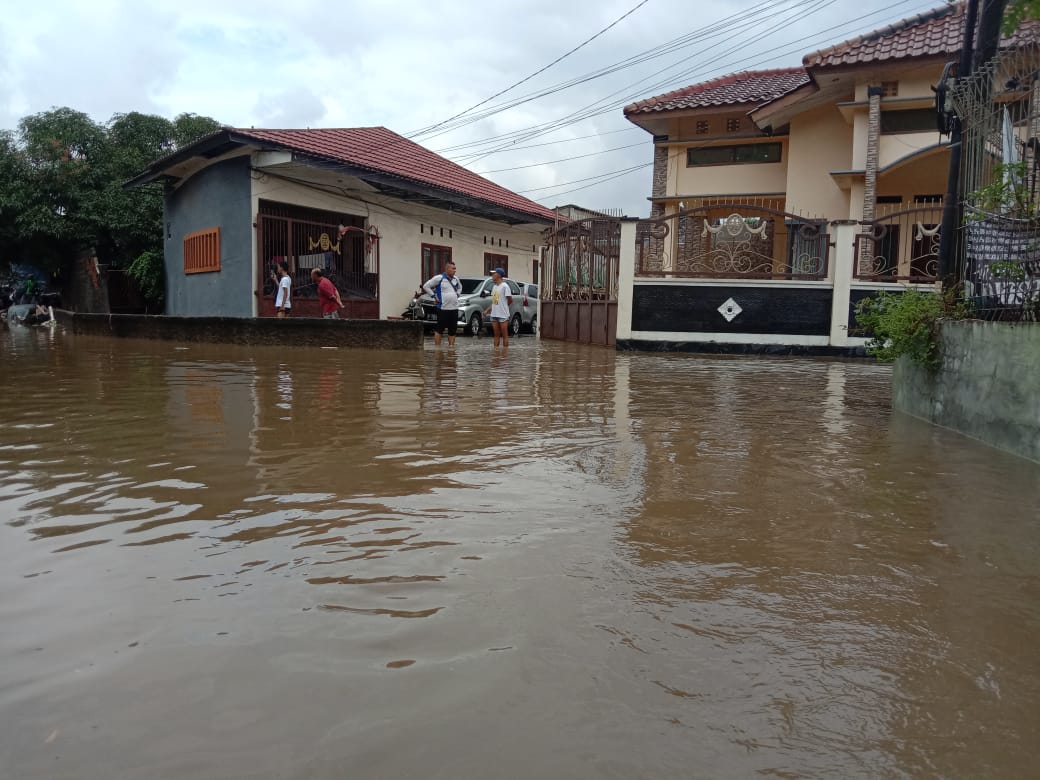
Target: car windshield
<point x="470" y="286"/>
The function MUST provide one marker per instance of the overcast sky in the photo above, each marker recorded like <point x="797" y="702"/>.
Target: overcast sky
<point x="408" y="64"/>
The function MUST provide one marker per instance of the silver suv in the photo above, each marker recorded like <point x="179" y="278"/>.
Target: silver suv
<point x="474" y="298"/>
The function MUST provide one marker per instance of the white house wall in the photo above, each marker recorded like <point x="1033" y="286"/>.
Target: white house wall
<point x="404" y="228"/>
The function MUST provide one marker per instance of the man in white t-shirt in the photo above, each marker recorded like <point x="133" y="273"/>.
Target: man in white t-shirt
<point x="501" y="300"/>
<point x="283" y="303"/>
<point x="445" y="289"/>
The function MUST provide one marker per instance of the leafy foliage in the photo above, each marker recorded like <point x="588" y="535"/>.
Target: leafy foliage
<point x="61" y="177"/>
<point x="147" y="271"/>
<point x="1007" y="194"/>
<point x="907" y="323"/>
<point x="1018" y="11"/>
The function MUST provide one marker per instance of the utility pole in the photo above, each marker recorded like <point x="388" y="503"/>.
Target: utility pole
<point x="951" y="201"/>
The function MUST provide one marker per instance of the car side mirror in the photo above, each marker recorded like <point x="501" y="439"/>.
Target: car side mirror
<point x="485" y="294"/>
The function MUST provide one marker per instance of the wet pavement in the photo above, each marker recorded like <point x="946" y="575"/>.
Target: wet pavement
<point x="563" y="562"/>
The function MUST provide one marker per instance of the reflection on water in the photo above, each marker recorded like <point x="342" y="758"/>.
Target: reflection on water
<point x="566" y="562"/>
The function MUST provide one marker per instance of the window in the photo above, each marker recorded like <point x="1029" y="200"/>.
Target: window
<point x="434" y="259"/>
<point x="732" y="125"/>
<point x="702" y="127"/>
<point x="729" y="155"/>
<point x="887" y="248"/>
<point x="918" y="120"/>
<point x="889" y="199"/>
<point x="491" y="262"/>
<point x="202" y="251"/>
<point x="924" y="257"/>
<point x="889" y="88"/>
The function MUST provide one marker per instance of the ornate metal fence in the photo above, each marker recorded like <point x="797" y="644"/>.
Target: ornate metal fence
<point x="724" y="240"/>
<point x="902" y="246"/>
<point x="999" y="236"/>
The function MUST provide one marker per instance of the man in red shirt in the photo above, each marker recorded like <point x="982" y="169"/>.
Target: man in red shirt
<point x="328" y="296"/>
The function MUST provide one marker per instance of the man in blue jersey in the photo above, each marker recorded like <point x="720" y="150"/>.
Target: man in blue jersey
<point x="445" y="289"/>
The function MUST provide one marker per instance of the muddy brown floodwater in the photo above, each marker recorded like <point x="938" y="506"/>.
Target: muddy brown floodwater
<point x="564" y="563"/>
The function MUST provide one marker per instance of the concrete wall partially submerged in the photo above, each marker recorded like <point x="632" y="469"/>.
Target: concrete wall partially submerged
<point x="988" y="386"/>
<point x="358" y="334"/>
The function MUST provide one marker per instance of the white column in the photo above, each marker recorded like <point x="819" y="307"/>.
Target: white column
<point x="626" y="278"/>
<point x="841" y="259"/>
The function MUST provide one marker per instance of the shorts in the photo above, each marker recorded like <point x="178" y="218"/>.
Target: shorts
<point x="500" y="319"/>
<point x="330" y="315"/>
<point x="447" y="320"/>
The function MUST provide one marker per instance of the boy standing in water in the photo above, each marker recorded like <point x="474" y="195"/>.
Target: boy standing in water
<point x="283" y="303"/>
<point x="501" y="300"/>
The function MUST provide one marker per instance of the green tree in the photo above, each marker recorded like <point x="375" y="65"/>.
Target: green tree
<point x="61" y="186"/>
<point x="1018" y="11"/>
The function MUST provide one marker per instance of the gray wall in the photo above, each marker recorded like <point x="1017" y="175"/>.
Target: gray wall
<point x="255" y="332"/>
<point x="988" y="386"/>
<point x="220" y="197"/>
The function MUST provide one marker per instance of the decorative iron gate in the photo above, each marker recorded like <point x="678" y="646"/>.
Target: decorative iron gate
<point x="579" y="283"/>
<point x="900" y="247"/>
<point x="738" y="240"/>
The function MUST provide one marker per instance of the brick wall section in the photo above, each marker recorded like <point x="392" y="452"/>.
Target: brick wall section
<point x="870" y="177"/>
<point x="652" y="256"/>
<point x="659" y="187"/>
<point x="297" y="332"/>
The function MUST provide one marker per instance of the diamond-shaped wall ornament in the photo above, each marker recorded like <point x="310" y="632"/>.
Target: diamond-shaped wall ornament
<point x="730" y="309"/>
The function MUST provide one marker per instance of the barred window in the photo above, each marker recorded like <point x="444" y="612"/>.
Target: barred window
<point x="493" y="261"/>
<point x="202" y="251"/>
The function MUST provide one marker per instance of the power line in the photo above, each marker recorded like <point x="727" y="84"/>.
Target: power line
<point x="600" y="106"/>
<point x="548" y="143"/>
<point x="564" y="159"/>
<point x="747" y="17"/>
<point x="590" y="109"/>
<point x="587" y="178"/>
<point x="427" y="130"/>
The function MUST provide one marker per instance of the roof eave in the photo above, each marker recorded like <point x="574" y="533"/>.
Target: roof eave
<point x="387" y="182"/>
<point x="213" y="145"/>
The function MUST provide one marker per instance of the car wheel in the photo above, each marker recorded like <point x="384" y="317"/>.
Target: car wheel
<point x="514" y="325"/>
<point x="475" y="324"/>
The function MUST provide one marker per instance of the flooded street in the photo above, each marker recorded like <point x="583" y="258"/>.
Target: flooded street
<point x="218" y="562"/>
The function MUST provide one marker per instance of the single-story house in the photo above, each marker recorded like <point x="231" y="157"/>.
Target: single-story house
<point x="378" y="213"/>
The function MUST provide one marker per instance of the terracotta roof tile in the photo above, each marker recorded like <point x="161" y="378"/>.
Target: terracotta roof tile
<point x="933" y="33"/>
<point x="381" y="150"/>
<point x="749" y="87"/>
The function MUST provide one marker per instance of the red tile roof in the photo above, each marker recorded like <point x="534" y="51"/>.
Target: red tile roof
<point x="749" y="87"/>
<point x="935" y="33"/>
<point x="384" y="151"/>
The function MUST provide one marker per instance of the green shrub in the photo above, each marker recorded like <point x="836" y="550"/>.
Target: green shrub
<point x="907" y="323"/>
<point x="147" y="271"/>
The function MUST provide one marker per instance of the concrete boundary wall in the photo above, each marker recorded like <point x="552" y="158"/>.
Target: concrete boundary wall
<point x="295" y="332"/>
<point x="988" y="386"/>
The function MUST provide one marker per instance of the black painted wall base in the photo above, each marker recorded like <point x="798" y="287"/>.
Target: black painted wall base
<point x="716" y="348"/>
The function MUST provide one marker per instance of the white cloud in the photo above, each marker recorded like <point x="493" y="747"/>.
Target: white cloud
<point x="403" y="64"/>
